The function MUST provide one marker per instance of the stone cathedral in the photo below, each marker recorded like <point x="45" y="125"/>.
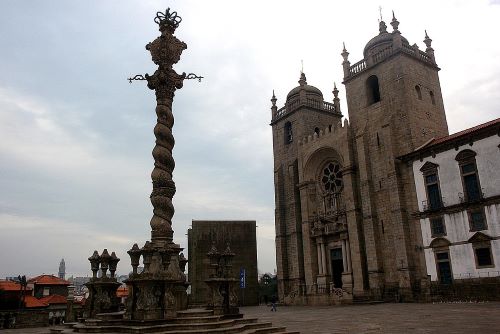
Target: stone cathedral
<point x="344" y="229"/>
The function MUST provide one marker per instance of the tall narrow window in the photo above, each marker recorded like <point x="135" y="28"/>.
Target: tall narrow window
<point x="433" y="99"/>
<point x="373" y="91"/>
<point x="470" y="179"/>
<point x="444" y="267"/>
<point x="419" y="92"/>
<point x="441" y="248"/>
<point x="288" y="133"/>
<point x="431" y="182"/>
<point x="316" y="130"/>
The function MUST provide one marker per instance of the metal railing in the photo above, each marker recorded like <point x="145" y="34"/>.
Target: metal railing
<point x="433" y="205"/>
<point x="473" y="197"/>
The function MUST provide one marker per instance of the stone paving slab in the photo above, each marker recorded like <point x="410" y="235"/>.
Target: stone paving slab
<point x="449" y="318"/>
<point x="389" y="318"/>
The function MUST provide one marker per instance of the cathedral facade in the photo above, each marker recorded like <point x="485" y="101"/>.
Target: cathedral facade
<point x="343" y="199"/>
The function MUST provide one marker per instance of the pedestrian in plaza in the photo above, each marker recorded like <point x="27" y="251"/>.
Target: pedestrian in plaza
<point x="273" y="303"/>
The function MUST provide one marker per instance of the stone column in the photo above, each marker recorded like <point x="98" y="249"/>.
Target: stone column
<point x="348" y="255"/>
<point x="344" y="257"/>
<point x="320" y="260"/>
<point x="323" y="258"/>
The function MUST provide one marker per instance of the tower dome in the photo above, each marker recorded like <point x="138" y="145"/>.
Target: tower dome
<point x="382" y="40"/>
<point x="308" y="90"/>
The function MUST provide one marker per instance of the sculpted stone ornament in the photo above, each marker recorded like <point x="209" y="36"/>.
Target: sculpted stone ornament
<point x="159" y="291"/>
<point x="222" y="283"/>
<point x="165" y="51"/>
<point x="102" y="290"/>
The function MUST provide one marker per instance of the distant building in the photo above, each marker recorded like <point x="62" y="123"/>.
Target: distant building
<point x="52" y="291"/>
<point x="79" y="284"/>
<point x="241" y="236"/>
<point x="62" y="269"/>
<point x="19" y="308"/>
<point x="45" y="285"/>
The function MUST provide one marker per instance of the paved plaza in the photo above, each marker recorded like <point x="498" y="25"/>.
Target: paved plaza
<point x="473" y="318"/>
<point x="385" y="318"/>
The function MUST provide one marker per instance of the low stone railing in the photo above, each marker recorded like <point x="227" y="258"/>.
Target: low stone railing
<point x="297" y="103"/>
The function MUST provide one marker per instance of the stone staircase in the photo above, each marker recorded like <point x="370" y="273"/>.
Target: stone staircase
<point x="191" y="321"/>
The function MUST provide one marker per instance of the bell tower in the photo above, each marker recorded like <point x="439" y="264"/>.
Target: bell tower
<point x="304" y="113"/>
<point x="396" y="83"/>
<point x="395" y="105"/>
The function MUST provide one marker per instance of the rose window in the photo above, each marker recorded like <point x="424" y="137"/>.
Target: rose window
<point x="332" y="177"/>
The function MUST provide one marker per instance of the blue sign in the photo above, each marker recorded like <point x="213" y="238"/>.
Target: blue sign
<point x="243" y="279"/>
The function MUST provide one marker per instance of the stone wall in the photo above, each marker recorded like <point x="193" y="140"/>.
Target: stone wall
<point x="241" y="236"/>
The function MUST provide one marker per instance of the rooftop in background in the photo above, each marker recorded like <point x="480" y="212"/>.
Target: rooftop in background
<point x="54" y="299"/>
<point x="33" y="302"/>
<point x="48" y="280"/>
<point x="122" y="291"/>
<point x="6" y="285"/>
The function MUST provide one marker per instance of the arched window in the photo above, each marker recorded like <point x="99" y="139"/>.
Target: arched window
<point x="470" y="180"/>
<point x="419" y="92"/>
<point x="433" y="100"/>
<point x="372" y="89"/>
<point x="288" y="133"/>
<point x="316" y="130"/>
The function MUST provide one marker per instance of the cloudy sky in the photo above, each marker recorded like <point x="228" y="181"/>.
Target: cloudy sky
<point x="76" y="137"/>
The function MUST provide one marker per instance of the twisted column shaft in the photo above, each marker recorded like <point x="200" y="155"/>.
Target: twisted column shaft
<point x="165" y="51"/>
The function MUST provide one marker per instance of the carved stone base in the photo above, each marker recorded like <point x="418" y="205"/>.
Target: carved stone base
<point x="102" y="297"/>
<point x="159" y="292"/>
<point x="224" y="299"/>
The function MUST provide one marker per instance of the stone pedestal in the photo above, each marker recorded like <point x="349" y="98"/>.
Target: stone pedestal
<point x="102" y="296"/>
<point x="160" y="290"/>
<point x="224" y="300"/>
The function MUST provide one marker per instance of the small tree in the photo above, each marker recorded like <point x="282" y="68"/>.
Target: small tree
<point x="268" y="286"/>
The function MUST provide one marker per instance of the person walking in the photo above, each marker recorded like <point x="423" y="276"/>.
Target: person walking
<point x="273" y="303"/>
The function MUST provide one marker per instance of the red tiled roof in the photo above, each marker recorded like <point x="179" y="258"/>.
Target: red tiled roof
<point x="48" y="280"/>
<point x="122" y="291"/>
<point x="11" y="286"/>
<point x="462" y="133"/>
<point x="31" y="302"/>
<point x="53" y="299"/>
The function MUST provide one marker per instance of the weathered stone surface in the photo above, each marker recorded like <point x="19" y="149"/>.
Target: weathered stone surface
<point x="356" y="232"/>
